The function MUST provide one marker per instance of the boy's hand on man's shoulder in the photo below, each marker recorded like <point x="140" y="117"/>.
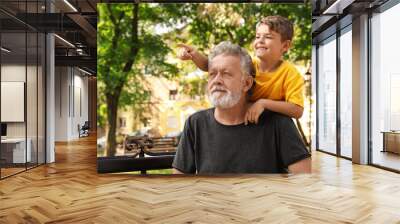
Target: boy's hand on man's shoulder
<point x="254" y="111"/>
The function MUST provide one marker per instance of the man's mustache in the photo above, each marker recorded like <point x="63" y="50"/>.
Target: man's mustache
<point x="218" y="88"/>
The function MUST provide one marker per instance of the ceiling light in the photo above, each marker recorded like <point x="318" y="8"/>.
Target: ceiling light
<point x="64" y="40"/>
<point x="337" y="7"/>
<point x="70" y="5"/>
<point x="86" y="72"/>
<point x="5" y="49"/>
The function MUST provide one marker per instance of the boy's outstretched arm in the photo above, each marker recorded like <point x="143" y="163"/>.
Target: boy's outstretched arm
<point x="189" y="53"/>
<point x="283" y="107"/>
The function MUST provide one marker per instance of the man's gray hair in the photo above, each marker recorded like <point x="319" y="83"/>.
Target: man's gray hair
<point x="226" y="47"/>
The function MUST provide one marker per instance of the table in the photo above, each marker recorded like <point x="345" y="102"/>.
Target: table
<point x="391" y="141"/>
<point x="13" y="150"/>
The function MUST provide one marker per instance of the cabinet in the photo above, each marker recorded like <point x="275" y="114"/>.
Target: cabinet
<point x="13" y="150"/>
<point x="391" y="141"/>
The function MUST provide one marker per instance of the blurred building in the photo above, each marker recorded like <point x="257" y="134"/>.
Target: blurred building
<point x="164" y="114"/>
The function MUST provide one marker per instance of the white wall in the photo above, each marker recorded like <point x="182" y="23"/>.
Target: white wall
<point x="12" y="73"/>
<point x="314" y="97"/>
<point x="80" y="101"/>
<point x="61" y="103"/>
<point x="71" y="102"/>
<point x="33" y="127"/>
<point x="50" y="97"/>
<point x="360" y="90"/>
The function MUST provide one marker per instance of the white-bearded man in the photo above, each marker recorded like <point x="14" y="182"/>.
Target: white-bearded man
<point x="217" y="140"/>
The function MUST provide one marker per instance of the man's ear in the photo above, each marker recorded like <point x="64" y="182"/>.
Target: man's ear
<point x="248" y="83"/>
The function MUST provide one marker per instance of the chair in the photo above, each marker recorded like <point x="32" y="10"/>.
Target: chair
<point x="84" y="130"/>
<point x="303" y="136"/>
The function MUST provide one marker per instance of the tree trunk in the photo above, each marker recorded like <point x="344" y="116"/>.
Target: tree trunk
<point x="112" y="103"/>
<point x="112" y="98"/>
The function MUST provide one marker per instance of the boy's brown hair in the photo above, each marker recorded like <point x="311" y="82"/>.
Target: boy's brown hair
<point x="279" y="24"/>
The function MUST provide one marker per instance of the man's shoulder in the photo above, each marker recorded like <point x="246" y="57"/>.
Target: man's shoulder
<point x="275" y="117"/>
<point x="200" y="116"/>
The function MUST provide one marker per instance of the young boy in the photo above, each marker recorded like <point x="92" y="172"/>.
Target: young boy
<point x="279" y="86"/>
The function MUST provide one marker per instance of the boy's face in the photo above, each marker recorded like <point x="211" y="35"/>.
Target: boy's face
<point x="268" y="44"/>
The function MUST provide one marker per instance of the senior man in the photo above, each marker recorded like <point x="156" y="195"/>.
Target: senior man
<point x="217" y="140"/>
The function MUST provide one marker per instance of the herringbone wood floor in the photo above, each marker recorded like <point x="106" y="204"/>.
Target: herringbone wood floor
<point x="70" y="191"/>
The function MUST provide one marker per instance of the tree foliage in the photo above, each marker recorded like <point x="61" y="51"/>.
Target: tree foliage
<point x="128" y="47"/>
<point x="209" y="24"/>
<point x="193" y="87"/>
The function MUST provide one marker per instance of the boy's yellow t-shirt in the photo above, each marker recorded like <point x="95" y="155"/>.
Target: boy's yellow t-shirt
<point x="283" y="84"/>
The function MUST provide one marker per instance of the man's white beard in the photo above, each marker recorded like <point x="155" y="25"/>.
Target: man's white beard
<point x="227" y="100"/>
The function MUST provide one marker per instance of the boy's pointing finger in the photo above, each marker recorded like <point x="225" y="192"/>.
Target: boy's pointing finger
<point x="187" y="47"/>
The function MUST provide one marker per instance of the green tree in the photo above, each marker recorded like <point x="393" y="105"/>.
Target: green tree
<point x="193" y="87"/>
<point x="128" y="48"/>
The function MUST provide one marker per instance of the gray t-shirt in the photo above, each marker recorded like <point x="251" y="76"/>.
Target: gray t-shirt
<point x="207" y="146"/>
